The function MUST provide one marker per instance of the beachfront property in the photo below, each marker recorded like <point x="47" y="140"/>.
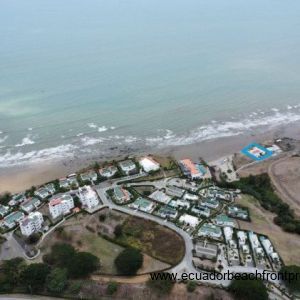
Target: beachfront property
<point x="90" y="176"/>
<point x="257" y="152"/>
<point x="179" y="204"/>
<point x="17" y="199"/>
<point x="13" y="219"/>
<point x="224" y="220"/>
<point x="218" y="193"/>
<point x="201" y="210"/>
<point x="128" y="167"/>
<point x="64" y="183"/>
<point x="267" y="245"/>
<point x="238" y="212"/>
<point x="31" y="223"/>
<point x="30" y="204"/>
<point x="72" y="179"/>
<point x="210" y="203"/>
<point x="108" y="171"/>
<point x="160" y="197"/>
<point x="143" y="204"/>
<point x="255" y="244"/>
<point x="194" y="170"/>
<point x="61" y="206"/>
<point x="190" y="197"/>
<point x="228" y="233"/>
<point x="174" y="191"/>
<point x="189" y="220"/>
<point x="210" y="230"/>
<point x="167" y="212"/>
<point x="148" y="164"/>
<point x="3" y="210"/>
<point x="42" y="193"/>
<point x="88" y="197"/>
<point x="121" y="195"/>
<point x="51" y="188"/>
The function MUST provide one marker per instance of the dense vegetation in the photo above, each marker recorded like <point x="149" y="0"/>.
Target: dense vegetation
<point x="247" y="289"/>
<point x="294" y="283"/>
<point x="261" y="188"/>
<point x="52" y="276"/>
<point x="129" y="261"/>
<point x="162" y="285"/>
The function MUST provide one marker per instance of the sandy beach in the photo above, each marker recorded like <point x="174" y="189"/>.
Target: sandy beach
<point x="19" y="178"/>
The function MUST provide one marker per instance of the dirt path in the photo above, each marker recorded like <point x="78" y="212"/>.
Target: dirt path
<point x="122" y="279"/>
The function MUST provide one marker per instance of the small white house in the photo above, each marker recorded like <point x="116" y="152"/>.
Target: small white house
<point x="30" y="204"/>
<point x="189" y="220"/>
<point x="31" y="223"/>
<point x="88" y="197"/>
<point x="61" y="206"/>
<point x="127" y="166"/>
<point x="149" y="164"/>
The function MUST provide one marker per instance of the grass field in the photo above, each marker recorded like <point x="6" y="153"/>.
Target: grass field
<point x="153" y="239"/>
<point x="285" y="243"/>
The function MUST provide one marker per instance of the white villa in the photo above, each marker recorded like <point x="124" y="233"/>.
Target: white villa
<point x="149" y="164"/>
<point x="61" y="206"/>
<point x="30" y="205"/>
<point x="88" y="197"/>
<point x="189" y="220"/>
<point x="31" y="223"/>
<point x="127" y="166"/>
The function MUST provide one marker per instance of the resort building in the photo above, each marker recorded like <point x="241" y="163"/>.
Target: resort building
<point x="238" y="212"/>
<point x="179" y="204"/>
<point x="189" y="220"/>
<point x="228" y="233"/>
<point x="17" y="199"/>
<point x="223" y="220"/>
<point x="149" y="164"/>
<point x="242" y="237"/>
<point x="210" y="230"/>
<point x="42" y="193"/>
<point x="201" y="210"/>
<point x="31" y="223"/>
<point x="51" y="188"/>
<point x="108" y="172"/>
<point x="143" y="204"/>
<point x="193" y="170"/>
<point x="167" y="212"/>
<point x="61" y="206"/>
<point x="90" y="176"/>
<point x="267" y="245"/>
<point x="174" y="191"/>
<point x="64" y="183"/>
<point x="3" y="210"/>
<point x="128" y="167"/>
<point x="121" y="195"/>
<point x="210" y="202"/>
<point x="13" y="219"/>
<point x="191" y="197"/>
<point x="30" y="204"/>
<point x="160" y="197"/>
<point x="88" y="197"/>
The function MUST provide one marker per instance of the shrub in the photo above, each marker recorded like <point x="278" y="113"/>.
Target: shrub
<point x="112" y="287"/>
<point x="129" y="261"/>
<point x="191" y="286"/>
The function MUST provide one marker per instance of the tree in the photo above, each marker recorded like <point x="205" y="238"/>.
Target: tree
<point x="82" y="264"/>
<point x="60" y="256"/>
<point x="33" y="238"/>
<point x="191" y="286"/>
<point x="293" y="283"/>
<point x="5" y="198"/>
<point x="11" y="271"/>
<point x="56" y="280"/>
<point x="112" y="287"/>
<point x="248" y="289"/>
<point x="118" y="230"/>
<point x="129" y="261"/>
<point x="34" y="276"/>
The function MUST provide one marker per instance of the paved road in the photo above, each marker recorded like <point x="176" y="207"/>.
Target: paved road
<point x="186" y="265"/>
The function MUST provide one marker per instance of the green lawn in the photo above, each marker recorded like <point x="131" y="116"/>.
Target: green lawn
<point x="105" y="250"/>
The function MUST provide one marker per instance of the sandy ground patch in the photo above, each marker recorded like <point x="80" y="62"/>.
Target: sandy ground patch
<point x="285" y="243"/>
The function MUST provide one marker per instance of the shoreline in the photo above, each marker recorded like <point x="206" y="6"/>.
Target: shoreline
<point x="19" y="178"/>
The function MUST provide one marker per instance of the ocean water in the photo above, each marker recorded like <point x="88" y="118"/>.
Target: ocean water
<point x="83" y="77"/>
